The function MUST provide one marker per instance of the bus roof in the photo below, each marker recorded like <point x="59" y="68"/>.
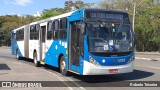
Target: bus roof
<point x="14" y="30"/>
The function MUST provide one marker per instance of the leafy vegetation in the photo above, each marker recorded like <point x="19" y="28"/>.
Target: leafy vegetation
<point x="147" y="19"/>
<point x="51" y="12"/>
<point x="10" y="22"/>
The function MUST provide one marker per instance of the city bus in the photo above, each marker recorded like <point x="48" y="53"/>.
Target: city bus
<point x="84" y="42"/>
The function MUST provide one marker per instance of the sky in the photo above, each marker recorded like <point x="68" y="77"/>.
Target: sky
<point x="30" y="7"/>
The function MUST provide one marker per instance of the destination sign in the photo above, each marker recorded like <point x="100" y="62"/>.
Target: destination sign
<point x="107" y="15"/>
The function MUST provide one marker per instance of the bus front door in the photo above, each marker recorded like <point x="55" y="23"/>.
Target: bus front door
<point x="74" y="47"/>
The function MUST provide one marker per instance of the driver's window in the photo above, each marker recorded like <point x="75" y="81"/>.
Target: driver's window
<point x="76" y="33"/>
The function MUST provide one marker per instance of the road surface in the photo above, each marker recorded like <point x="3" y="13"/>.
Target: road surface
<point x="24" y="70"/>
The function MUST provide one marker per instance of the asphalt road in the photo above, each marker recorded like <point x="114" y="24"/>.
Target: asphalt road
<point x="24" y="70"/>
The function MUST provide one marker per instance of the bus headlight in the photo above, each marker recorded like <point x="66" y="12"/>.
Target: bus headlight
<point x="93" y="61"/>
<point x="131" y="59"/>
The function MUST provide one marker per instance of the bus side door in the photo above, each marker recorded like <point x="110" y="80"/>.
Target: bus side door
<point x="42" y="41"/>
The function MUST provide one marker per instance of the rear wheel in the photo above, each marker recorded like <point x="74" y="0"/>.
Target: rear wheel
<point x="17" y="57"/>
<point x="63" y="67"/>
<point x="36" y="63"/>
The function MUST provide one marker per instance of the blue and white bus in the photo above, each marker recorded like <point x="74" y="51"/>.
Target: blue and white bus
<point x="85" y="42"/>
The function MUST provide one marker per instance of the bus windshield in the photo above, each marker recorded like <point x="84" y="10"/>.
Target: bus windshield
<point x="109" y="37"/>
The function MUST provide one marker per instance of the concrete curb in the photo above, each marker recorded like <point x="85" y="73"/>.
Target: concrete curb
<point x="5" y="47"/>
<point x="150" y="59"/>
<point x="148" y="53"/>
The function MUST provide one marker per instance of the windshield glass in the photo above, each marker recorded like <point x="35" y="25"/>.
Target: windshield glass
<point x="109" y="37"/>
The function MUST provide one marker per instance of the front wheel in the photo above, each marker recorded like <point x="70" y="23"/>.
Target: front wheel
<point x="36" y="63"/>
<point x="63" y="67"/>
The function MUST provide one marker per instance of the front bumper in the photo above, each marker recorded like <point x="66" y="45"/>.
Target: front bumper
<point x="91" y="69"/>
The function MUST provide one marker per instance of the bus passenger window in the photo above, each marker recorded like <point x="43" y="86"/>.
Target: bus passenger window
<point x="19" y="38"/>
<point x="22" y="34"/>
<point x="43" y="34"/>
<point x="63" y="27"/>
<point x="55" y="31"/>
<point x="37" y="32"/>
<point x="17" y="35"/>
<point x="32" y="32"/>
<point x="49" y="31"/>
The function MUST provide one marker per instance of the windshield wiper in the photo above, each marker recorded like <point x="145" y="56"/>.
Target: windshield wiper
<point x="106" y="29"/>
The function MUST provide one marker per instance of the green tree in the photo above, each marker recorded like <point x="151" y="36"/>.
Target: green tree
<point x="10" y="22"/>
<point x="147" y="26"/>
<point x="71" y="5"/>
<point x="51" y="12"/>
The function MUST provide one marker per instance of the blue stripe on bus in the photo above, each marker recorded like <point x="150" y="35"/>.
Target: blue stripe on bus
<point x="112" y="61"/>
<point x="52" y="55"/>
<point x="13" y="42"/>
<point x="19" y="52"/>
<point x="81" y="65"/>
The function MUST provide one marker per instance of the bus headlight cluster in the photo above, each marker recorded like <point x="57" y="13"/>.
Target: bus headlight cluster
<point x="93" y="61"/>
<point x="131" y="59"/>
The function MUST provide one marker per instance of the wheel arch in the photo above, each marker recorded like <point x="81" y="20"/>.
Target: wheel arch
<point x="34" y="51"/>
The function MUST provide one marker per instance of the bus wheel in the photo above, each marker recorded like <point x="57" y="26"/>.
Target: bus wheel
<point x="63" y="66"/>
<point x="17" y="57"/>
<point x="36" y="63"/>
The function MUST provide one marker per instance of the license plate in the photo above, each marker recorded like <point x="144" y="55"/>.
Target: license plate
<point x="113" y="70"/>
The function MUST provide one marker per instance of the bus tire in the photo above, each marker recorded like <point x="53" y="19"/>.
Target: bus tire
<point x="17" y="57"/>
<point x="36" y="63"/>
<point x="63" y="70"/>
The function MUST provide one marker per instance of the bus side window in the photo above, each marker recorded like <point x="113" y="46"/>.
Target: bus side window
<point x="22" y="34"/>
<point x="55" y="30"/>
<point x="19" y="33"/>
<point x="49" y="31"/>
<point x="32" y="32"/>
<point x="43" y="33"/>
<point x="37" y="27"/>
<point x="63" y="28"/>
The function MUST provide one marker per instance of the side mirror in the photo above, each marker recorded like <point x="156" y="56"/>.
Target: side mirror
<point x="82" y="27"/>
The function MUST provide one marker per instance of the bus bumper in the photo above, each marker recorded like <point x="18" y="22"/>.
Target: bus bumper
<point x="91" y="69"/>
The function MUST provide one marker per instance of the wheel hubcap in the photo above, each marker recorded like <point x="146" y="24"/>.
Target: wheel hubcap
<point x="35" y="60"/>
<point x="63" y="65"/>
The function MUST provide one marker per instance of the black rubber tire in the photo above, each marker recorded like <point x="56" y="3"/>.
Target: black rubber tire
<point x="17" y="57"/>
<point x="36" y="63"/>
<point x="62" y="65"/>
